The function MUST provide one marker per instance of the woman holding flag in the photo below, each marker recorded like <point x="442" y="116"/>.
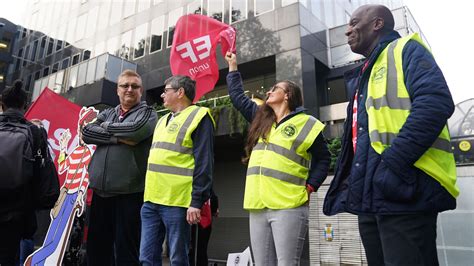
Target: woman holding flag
<point x="287" y="160"/>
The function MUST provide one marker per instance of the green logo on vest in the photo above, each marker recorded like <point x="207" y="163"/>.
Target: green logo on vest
<point x="379" y="74"/>
<point x="173" y="127"/>
<point x="289" y="131"/>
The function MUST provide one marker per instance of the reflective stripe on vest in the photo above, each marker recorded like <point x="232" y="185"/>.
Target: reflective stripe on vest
<point x="278" y="169"/>
<point x="171" y="162"/>
<point x="388" y="105"/>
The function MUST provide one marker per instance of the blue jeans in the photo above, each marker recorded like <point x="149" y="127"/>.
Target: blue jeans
<point x="158" y="220"/>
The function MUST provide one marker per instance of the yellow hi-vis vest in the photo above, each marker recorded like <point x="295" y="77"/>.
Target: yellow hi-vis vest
<point x="388" y="106"/>
<point x="277" y="170"/>
<point x="169" y="176"/>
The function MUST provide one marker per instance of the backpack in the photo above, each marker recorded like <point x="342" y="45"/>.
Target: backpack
<point x="16" y="155"/>
<point x="46" y="180"/>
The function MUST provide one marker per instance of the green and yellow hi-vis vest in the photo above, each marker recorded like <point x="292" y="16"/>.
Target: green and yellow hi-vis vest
<point x="278" y="169"/>
<point x="388" y="106"/>
<point x="169" y="176"/>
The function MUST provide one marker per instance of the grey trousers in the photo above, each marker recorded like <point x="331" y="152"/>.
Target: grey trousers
<point x="277" y="236"/>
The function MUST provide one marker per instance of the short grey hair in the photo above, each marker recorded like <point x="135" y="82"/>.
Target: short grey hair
<point x="185" y="82"/>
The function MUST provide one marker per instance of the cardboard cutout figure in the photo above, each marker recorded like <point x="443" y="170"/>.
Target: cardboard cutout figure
<point x="70" y="203"/>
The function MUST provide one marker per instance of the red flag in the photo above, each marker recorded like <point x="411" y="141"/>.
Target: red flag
<point x="206" y="216"/>
<point x="194" y="50"/>
<point x="57" y="115"/>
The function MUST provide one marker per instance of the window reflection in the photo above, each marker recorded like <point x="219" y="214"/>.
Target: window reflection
<point x="125" y="45"/>
<point x="262" y="6"/>
<point x="216" y="9"/>
<point x="157" y="29"/>
<point x="140" y="37"/>
<point x="75" y="59"/>
<point x="173" y="17"/>
<point x="238" y="10"/>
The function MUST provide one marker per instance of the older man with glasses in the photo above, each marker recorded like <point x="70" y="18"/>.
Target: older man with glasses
<point x="179" y="175"/>
<point x="123" y="137"/>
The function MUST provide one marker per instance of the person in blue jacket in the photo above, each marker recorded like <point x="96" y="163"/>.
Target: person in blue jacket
<point x="387" y="175"/>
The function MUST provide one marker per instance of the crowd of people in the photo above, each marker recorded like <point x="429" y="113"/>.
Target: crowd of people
<point x="152" y="176"/>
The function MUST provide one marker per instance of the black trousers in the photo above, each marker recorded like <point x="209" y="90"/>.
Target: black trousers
<point x="114" y="230"/>
<point x="202" y="241"/>
<point x="10" y="235"/>
<point x="399" y="239"/>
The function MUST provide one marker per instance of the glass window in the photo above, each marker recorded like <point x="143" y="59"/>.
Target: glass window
<point x="238" y="10"/>
<point x="116" y="13"/>
<point x="59" y="81"/>
<point x="140" y="40"/>
<point x="50" y="46"/>
<point x="72" y="78"/>
<point x="42" y="47"/>
<point x="100" y="68"/>
<point x="81" y="27"/>
<point x="92" y="21"/>
<point x="216" y="9"/>
<point x="143" y="5"/>
<point x="173" y="17"/>
<point x="262" y="6"/>
<point x="75" y="59"/>
<point x="103" y="15"/>
<point x="288" y="2"/>
<point x="65" y="63"/>
<point x="195" y="7"/>
<point x="59" y="45"/>
<point x="55" y="67"/>
<point x="27" y="52"/>
<point x="37" y="75"/>
<point x="91" y="70"/>
<point x="81" y="75"/>
<point x="125" y="45"/>
<point x="157" y="28"/>
<point x="112" y="45"/>
<point x="34" y="50"/>
<point x="86" y="55"/>
<point x="45" y="71"/>
<point x="114" y="65"/>
<point x="129" y="8"/>
<point x="51" y="82"/>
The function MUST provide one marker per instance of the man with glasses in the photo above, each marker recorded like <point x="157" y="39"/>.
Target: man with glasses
<point x="117" y="174"/>
<point x="179" y="174"/>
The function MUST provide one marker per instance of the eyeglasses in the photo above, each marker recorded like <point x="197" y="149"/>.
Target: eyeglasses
<point x="166" y="90"/>
<point x="126" y="85"/>
<point x="275" y="87"/>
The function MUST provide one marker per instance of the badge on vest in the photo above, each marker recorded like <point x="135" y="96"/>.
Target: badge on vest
<point x="379" y="74"/>
<point x="289" y="131"/>
<point x="173" y="127"/>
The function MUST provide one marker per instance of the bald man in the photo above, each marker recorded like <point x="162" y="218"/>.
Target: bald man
<point x="396" y="170"/>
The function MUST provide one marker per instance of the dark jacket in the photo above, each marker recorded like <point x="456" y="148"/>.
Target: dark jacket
<point x="117" y="168"/>
<point x="369" y="183"/>
<point x="320" y="156"/>
<point x="17" y="204"/>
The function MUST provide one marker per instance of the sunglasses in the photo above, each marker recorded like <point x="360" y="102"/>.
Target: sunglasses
<point x="126" y="85"/>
